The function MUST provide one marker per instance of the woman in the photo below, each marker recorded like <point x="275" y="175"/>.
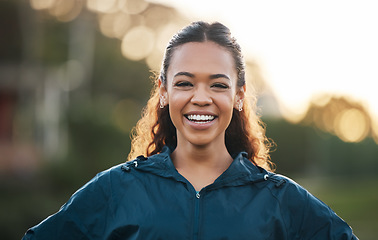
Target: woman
<point x="207" y="174"/>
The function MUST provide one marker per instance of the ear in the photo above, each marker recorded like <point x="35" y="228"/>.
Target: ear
<point x="239" y="98"/>
<point x="163" y="94"/>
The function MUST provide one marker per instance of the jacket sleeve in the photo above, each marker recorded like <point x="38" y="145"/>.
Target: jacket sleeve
<point x="81" y="217"/>
<point x="321" y="222"/>
<point x="313" y="219"/>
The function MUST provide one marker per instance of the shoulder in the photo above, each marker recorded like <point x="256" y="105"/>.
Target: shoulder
<point x="280" y="183"/>
<point x="291" y="194"/>
<point x="106" y="184"/>
<point x="106" y="177"/>
<point x="131" y="171"/>
<point x="292" y="197"/>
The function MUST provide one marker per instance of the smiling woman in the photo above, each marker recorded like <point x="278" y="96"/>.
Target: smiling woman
<point x="207" y="173"/>
<point x="201" y="82"/>
<point x="203" y="61"/>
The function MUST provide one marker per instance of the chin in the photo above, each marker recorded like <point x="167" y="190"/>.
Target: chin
<point x="204" y="141"/>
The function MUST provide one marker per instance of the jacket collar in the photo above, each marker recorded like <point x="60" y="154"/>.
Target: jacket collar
<point x="241" y="171"/>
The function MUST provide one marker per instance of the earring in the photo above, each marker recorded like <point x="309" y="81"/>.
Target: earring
<point x="162" y="102"/>
<point x="240" y="105"/>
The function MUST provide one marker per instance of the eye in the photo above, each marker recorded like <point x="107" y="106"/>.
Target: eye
<point x="220" y="85"/>
<point x="183" y="84"/>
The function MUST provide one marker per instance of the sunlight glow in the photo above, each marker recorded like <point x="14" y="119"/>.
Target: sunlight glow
<point x="302" y="49"/>
<point x="305" y="48"/>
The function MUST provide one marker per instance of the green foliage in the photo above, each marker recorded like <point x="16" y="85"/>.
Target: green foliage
<point x="305" y="151"/>
<point x="10" y="50"/>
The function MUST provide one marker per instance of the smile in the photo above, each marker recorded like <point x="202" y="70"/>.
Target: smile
<point x="200" y="118"/>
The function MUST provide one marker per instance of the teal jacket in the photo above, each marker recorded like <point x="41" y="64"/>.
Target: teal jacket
<point x="148" y="199"/>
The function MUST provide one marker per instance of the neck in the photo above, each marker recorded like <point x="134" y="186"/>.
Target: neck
<point x="201" y="165"/>
<point x="210" y="158"/>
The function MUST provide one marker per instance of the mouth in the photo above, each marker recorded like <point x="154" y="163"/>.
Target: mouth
<point x="200" y="119"/>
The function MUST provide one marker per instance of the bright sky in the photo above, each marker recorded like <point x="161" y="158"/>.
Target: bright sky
<point x="304" y="47"/>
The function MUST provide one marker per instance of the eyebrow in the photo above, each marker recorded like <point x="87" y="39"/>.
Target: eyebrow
<point x="219" y="75"/>
<point x="188" y="74"/>
<point x="212" y="76"/>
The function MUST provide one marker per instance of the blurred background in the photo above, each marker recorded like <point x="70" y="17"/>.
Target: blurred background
<point x="75" y="75"/>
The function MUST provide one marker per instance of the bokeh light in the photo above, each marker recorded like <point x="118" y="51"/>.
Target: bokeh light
<point x="351" y="125"/>
<point x="102" y="6"/>
<point x="164" y="34"/>
<point x="157" y="16"/>
<point x="133" y="6"/>
<point x="347" y="119"/>
<point x="138" y="43"/>
<point x="154" y="60"/>
<point x="115" y="25"/>
<point x="145" y="27"/>
<point x="41" y="4"/>
<point x="63" y="10"/>
<point x="66" y="10"/>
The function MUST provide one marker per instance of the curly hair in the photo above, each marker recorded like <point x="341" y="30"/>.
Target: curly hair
<point x="246" y="131"/>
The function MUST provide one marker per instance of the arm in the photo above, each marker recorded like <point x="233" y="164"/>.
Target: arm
<point x="320" y="222"/>
<point x="82" y="217"/>
<point x="305" y="216"/>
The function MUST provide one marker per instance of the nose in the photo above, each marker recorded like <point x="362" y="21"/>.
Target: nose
<point x="201" y="97"/>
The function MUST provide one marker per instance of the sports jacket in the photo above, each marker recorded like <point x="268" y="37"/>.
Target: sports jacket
<point x="148" y="199"/>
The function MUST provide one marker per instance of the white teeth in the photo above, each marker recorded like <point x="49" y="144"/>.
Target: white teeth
<point x="200" y="117"/>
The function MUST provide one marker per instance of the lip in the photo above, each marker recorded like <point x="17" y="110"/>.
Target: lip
<point x="200" y="113"/>
<point x="202" y="125"/>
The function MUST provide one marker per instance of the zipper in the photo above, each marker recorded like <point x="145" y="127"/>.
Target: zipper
<point x="197" y="201"/>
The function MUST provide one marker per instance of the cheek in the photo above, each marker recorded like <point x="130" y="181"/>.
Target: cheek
<point x="226" y="102"/>
<point x="177" y="103"/>
<point x="177" y="100"/>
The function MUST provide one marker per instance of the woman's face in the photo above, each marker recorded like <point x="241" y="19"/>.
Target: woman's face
<point x="201" y="91"/>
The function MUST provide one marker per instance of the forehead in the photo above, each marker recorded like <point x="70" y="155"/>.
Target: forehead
<point x="202" y="58"/>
